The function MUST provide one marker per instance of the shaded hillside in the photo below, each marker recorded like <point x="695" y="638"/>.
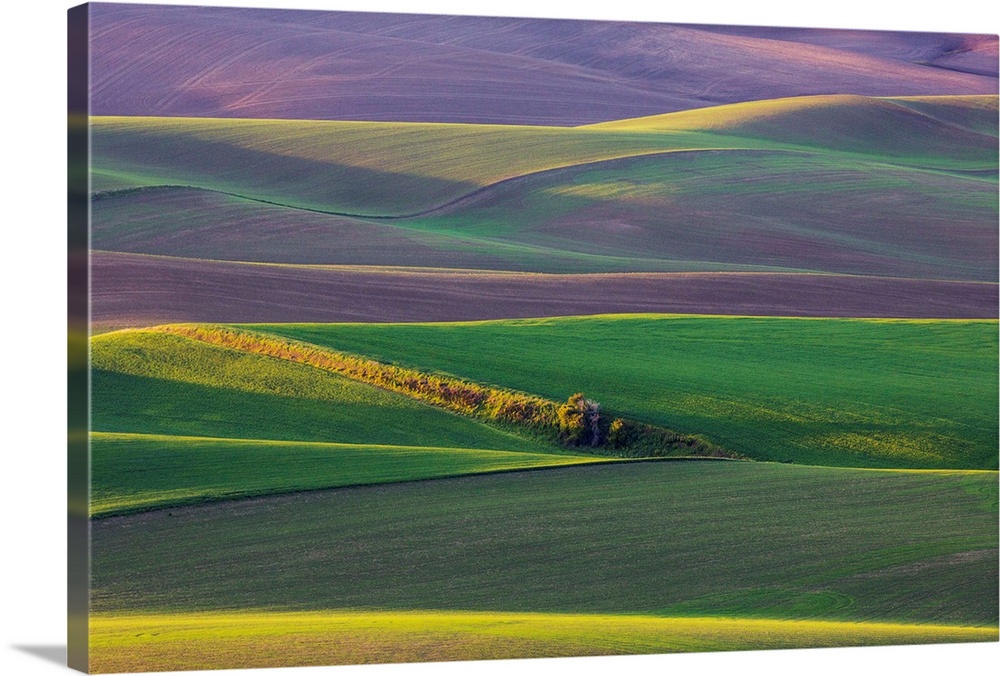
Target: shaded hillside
<point x="345" y="167"/>
<point x="152" y="60"/>
<point x="755" y="209"/>
<point x="707" y="211"/>
<point x="379" y="169"/>
<point x="901" y="187"/>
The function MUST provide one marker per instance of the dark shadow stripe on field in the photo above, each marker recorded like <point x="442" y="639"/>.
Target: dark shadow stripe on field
<point x="265" y="495"/>
<point x="140" y="290"/>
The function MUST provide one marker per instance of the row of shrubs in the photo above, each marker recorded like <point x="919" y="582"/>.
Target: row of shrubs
<point x="577" y="423"/>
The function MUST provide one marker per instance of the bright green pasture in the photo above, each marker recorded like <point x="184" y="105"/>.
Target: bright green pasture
<point x="137" y="472"/>
<point x="269" y="639"/>
<point x="852" y="392"/>
<point x="673" y="539"/>
<point x="153" y="383"/>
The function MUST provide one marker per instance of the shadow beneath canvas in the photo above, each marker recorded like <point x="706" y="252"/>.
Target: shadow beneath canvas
<point x="49" y="653"/>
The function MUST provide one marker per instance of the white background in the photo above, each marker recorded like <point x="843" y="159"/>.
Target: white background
<point x="32" y="354"/>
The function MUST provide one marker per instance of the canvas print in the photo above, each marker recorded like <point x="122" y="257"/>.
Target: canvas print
<point x="416" y="338"/>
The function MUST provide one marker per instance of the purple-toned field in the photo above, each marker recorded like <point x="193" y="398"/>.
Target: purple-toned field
<point x="135" y="290"/>
<point x="886" y="206"/>
<point x="229" y="62"/>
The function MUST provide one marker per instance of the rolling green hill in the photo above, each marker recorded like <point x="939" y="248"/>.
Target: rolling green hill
<point x="726" y="209"/>
<point x="199" y="224"/>
<point x="660" y="555"/>
<point x="139" y="472"/>
<point x="177" y="421"/>
<point x="210" y="225"/>
<point x="153" y="383"/>
<point x="842" y="184"/>
<point x="343" y="166"/>
<point x="690" y="211"/>
<point x="672" y="539"/>
<point x="855" y="392"/>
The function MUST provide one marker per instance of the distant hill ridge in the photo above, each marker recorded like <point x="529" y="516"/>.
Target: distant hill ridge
<point x="863" y="124"/>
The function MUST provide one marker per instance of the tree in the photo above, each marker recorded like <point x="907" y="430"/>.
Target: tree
<point x="579" y="421"/>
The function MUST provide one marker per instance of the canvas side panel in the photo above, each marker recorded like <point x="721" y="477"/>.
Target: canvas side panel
<point x="78" y="339"/>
